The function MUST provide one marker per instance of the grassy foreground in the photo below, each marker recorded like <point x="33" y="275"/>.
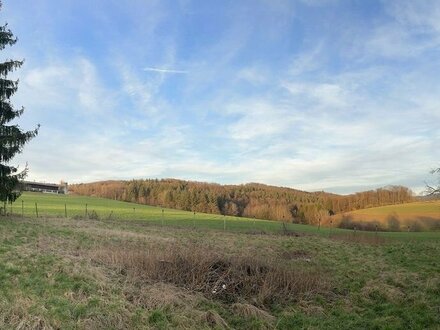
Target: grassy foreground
<point x="93" y="274"/>
<point x="131" y="271"/>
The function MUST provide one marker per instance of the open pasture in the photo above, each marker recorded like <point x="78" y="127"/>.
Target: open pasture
<point x="74" y="206"/>
<point x="142" y="269"/>
<point x="416" y="216"/>
<point x="77" y="273"/>
<point x="407" y="211"/>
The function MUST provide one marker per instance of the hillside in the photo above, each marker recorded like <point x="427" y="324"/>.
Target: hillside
<point x="248" y="200"/>
<point x="414" y="216"/>
<point x="95" y="208"/>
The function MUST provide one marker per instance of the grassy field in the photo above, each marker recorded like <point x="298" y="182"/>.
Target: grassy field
<point x="50" y="205"/>
<point x="417" y="216"/>
<point x="74" y="206"/>
<point x="408" y="211"/>
<point x="65" y="273"/>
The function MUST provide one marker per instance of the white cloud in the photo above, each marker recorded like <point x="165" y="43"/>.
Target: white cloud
<point x="396" y="41"/>
<point x="326" y="94"/>
<point x="318" y="119"/>
<point x="252" y="75"/>
<point x="308" y="61"/>
<point x="412" y="29"/>
<point x="91" y="93"/>
<point x="58" y="85"/>
<point x="421" y="14"/>
<point x="258" y="119"/>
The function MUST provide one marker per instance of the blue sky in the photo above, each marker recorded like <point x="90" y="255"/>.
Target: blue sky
<point x="328" y="95"/>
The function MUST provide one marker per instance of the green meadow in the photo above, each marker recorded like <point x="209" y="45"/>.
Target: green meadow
<point x="83" y="273"/>
<point x="126" y="266"/>
<point x="75" y="206"/>
<point x="416" y="216"/>
<point x="405" y="211"/>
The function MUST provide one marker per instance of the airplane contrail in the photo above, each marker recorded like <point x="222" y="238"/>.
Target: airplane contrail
<point x="164" y="70"/>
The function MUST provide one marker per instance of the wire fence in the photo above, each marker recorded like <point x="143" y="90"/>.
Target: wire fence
<point x="160" y="217"/>
<point x="164" y="217"/>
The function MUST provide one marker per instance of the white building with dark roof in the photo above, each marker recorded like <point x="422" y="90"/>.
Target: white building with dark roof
<point x="53" y="188"/>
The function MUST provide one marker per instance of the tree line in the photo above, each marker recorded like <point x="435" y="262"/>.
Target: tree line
<point x="247" y="200"/>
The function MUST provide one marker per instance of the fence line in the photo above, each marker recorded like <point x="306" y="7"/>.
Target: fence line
<point x="213" y="221"/>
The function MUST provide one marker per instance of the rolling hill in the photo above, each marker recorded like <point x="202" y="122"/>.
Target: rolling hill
<point x="422" y="215"/>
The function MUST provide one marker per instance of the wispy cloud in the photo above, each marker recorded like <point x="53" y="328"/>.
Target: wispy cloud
<point x="304" y="104"/>
<point x="162" y="70"/>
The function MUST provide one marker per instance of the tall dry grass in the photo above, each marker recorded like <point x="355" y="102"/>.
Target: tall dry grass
<point x="228" y="278"/>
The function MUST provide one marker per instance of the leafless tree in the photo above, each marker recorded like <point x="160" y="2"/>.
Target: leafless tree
<point x="434" y="190"/>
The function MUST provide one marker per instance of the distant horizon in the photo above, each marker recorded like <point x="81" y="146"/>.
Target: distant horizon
<point x="339" y="96"/>
<point x="222" y="184"/>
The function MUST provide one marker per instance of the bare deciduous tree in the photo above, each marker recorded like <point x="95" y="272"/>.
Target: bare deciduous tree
<point x="434" y="189"/>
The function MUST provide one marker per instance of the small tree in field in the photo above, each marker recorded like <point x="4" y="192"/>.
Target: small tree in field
<point x="12" y="137"/>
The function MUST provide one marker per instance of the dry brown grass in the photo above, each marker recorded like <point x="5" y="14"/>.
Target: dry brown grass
<point x="214" y="320"/>
<point x="17" y="316"/>
<point x="159" y="295"/>
<point x="296" y="255"/>
<point x="251" y="311"/>
<point x="227" y="278"/>
<point x="388" y="292"/>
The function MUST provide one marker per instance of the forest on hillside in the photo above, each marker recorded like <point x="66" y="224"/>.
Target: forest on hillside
<point x="247" y="200"/>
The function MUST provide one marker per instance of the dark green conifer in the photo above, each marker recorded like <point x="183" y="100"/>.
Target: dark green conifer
<point x="12" y="137"/>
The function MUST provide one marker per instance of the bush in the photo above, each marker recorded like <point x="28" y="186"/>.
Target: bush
<point x="347" y="222"/>
<point x="93" y="215"/>
<point x="227" y="278"/>
<point x="416" y="226"/>
<point x="393" y="222"/>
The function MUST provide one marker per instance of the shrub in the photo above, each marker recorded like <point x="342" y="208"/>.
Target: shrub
<point x="93" y="215"/>
<point x="393" y="222"/>
<point x="227" y="278"/>
<point x="347" y="222"/>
